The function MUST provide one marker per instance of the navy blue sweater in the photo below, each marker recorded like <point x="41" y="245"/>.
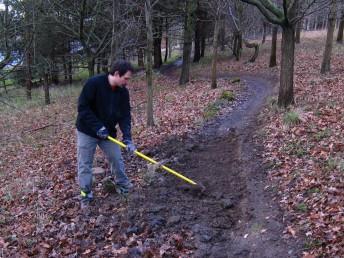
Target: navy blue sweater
<point x="99" y="105"/>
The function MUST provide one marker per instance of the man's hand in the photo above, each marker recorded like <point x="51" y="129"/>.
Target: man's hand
<point x="103" y="133"/>
<point x="130" y="146"/>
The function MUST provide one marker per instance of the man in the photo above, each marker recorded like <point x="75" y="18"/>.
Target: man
<point x="104" y="103"/>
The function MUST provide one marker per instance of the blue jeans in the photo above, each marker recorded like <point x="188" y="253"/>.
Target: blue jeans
<point x="86" y="147"/>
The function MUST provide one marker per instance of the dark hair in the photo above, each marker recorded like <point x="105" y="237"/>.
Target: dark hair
<point x="122" y="67"/>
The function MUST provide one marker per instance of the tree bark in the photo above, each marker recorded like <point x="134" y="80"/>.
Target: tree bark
<point x="326" y="63"/>
<point x="65" y="68"/>
<point x="237" y="49"/>
<point x="273" y="53"/>
<point x="166" y="41"/>
<point x="140" y="57"/>
<point x="114" y="43"/>
<point x="286" y="89"/>
<point x="28" y="79"/>
<point x="264" y="32"/>
<point x="299" y="27"/>
<point x="341" y="28"/>
<point x="157" y="25"/>
<point x="222" y="35"/>
<point x="214" y="60"/>
<point x="188" y="25"/>
<point x="203" y="45"/>
<point x="46" y="88"/>
<point x="149" y="69"/>
<point x="90" y="65"/>
<point x="197" y="50"/>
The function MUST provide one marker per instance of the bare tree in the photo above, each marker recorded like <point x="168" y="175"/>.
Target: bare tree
<point x="149" y="65"/>
<point x="286" y="15"/>
<point x="273" y="55"/>
<point x="190" y="8"/>
<point x="326" y="63"/>
<point x="341" y="26"/>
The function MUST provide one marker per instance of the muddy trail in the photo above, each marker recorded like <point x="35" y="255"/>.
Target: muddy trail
<point x="233" y="217"/>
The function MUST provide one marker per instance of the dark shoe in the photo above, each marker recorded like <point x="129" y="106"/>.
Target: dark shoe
<point x="124" y="189"/>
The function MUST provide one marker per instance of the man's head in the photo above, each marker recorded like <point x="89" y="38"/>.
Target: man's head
<point x="120" y="73"/>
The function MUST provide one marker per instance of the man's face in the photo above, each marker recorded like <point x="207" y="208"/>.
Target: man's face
<point x="120" y="80"/>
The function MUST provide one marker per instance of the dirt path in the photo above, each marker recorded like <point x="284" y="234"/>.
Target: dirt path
<point x="235" y="216"/>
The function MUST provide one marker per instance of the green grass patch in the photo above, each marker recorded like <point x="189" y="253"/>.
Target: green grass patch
<point x="302" y="207"/>
<point x="312" y="244"/>
<point x="82" y="74"/>
<point x="313" y="190"/>
<point x="296" y="148"/>
<point x="211" y="110"/>
<point x="227" y="95"/>
<point x="17" y="97"/>
<point x="291" y="118"/>
<point x="323" y="134"/>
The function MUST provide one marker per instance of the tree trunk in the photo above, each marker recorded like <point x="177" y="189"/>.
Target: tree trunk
<point x="28" y="75"/>
<point x="90" y="65"/>
<point x="149" y="69"/>
<point x="46" y="88"/>
<point x="70" y="70"/>
<point x="214" y="61"/>
<point x="202" y="46"/>
<point x="166" y="41"/>
<point x="54" y="73"/>
<point x="326" y="63"/>
<point x="65" y="68"/>
<point x="286" y="89"/>
<point x="197" y="50"/>
<point x="273" y="54"/>
<point x="237" y="49"/>
<point x="299" y="27"/>
<point x="341" y="28"/>
<point x="264" y="32"/>
<point x="222" y="35"/>
<point x="157" y="23"/>
<point x="114" y="43"/>
<point x="169" y="48"/>
<point x="140" y="57"/>
<point x="188" y="28"/>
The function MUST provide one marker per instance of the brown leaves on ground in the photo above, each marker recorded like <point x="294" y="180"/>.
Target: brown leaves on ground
<point x="39" y="212"/>
<point x="306" y="158"/>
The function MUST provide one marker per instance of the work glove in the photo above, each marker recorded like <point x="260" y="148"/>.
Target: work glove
<point x="130" y="146"/>
<point x="103" y="133"/>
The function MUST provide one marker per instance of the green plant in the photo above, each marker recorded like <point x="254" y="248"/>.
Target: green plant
<point x="302" y="207"/>
<point x="291" y="118"/>
<point x="211" y="110"/>
<point x="296" y="148"/>
<point x="227" y="95"/>
<point x="330" y="164"/>
<point x="313" y="190"/>
<point x="322" y="134"/>
<point x="311" y="244"/>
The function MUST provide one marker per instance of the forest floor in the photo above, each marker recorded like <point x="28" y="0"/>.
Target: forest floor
<point x="273" y="185"/>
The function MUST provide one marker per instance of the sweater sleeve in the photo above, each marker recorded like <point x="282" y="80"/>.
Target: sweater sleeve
<point x="86" y="115"/>
<point x="125" y="121"/>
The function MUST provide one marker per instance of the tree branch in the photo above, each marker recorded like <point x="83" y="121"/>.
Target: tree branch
<point x="270" y="16"/>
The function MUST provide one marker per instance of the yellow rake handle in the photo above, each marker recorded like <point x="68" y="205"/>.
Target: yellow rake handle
<point x="153" y="161"/>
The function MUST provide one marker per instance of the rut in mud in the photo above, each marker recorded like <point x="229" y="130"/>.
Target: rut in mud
<point x="234" y="216"/>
